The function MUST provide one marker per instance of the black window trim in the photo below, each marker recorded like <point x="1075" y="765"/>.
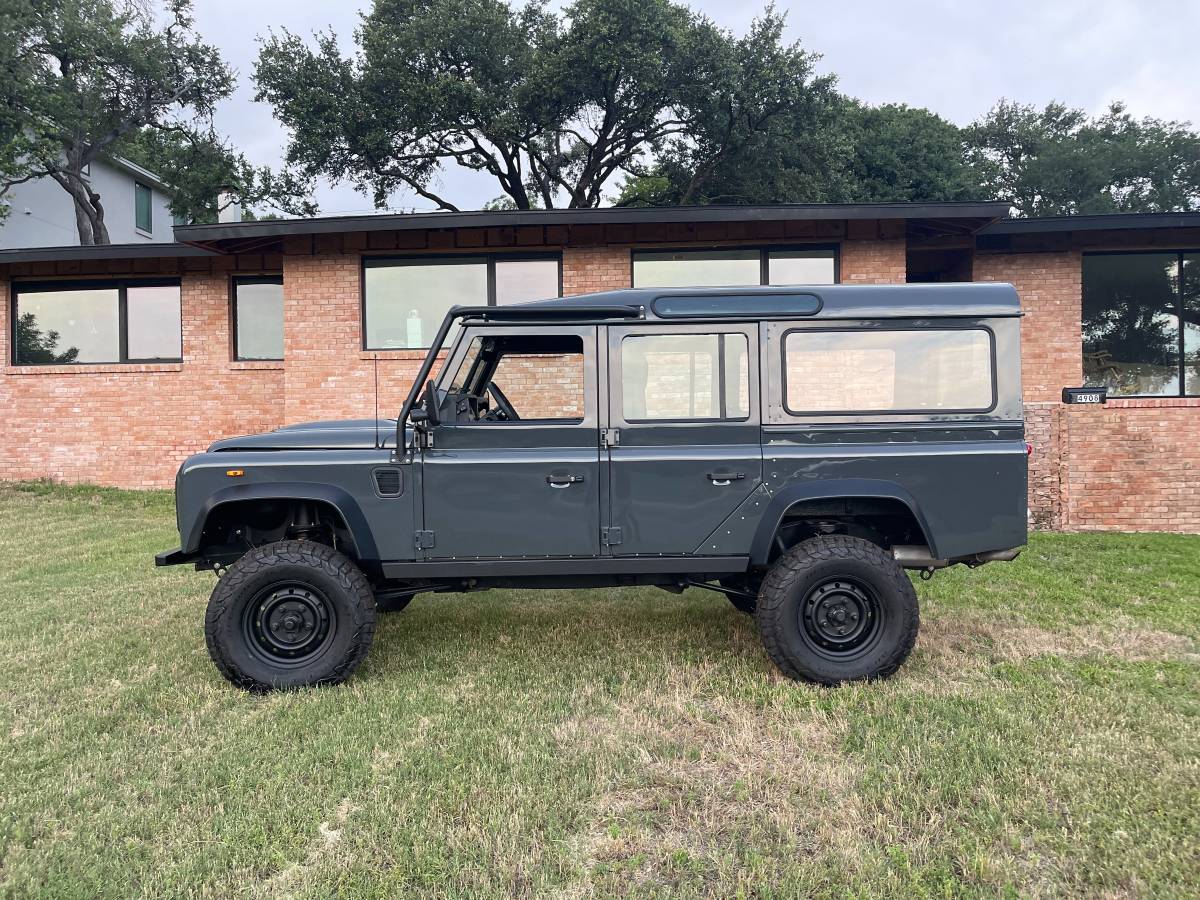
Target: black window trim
<point x="722" y="400"/>
<point x="886" y="327"/>
<point x="764" y="256"/>
<point x="149" y="229"/>
<point x="233" y="314"/>
<point x="1182" y="364"/>
<point x="488" y="257"/>
<point x="122" y="286"/>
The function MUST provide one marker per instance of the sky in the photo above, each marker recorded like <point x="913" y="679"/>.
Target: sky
<point x="955" y="58"/>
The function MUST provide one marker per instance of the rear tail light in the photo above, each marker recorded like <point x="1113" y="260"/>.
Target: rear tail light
<point x="1028" y="449"/>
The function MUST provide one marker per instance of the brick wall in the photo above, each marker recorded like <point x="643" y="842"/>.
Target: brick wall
<point x="131" y="425"/>
<point x="590" y="269"/>
<point x="874" y="261"/>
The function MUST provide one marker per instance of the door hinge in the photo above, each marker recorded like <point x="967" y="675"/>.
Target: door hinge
<point x="610" y="537"/>
<point x="424" y="540"/>
<point x="610" y="437"/>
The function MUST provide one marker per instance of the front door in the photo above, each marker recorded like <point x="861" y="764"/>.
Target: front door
<point x="683" y="435"/>
<point x="514" y="467"/>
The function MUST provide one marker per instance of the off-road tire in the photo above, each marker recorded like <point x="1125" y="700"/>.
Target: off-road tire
<point x="801" y="594"/>
<point x="323" y="580"/>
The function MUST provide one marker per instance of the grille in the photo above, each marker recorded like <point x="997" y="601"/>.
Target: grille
<point x="387" y="482"/>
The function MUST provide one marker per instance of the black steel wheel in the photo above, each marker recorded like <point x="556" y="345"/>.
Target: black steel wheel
<point x="835" y="609"/>
<point x="290" y="614"/>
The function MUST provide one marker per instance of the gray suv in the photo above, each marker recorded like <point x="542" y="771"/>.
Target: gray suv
<point x="795" y="449"/>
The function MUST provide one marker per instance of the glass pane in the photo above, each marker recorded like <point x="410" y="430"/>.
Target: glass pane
<point x="519" y="280"/>
<point x="543" y="385"/>
<point x="853" y="371"/>
<point x="1130" y="323"/>
<point x="677" y="376"/>
<point x="406" y="302"/>
<point x="1191" y="326"/>
<point x="800" y="267"/>
<point x="720" y="268"/>
<point x="259" y="308"/>
<point x="153" y="322"/>
<point x="67" y="326"/>
<point x="143" y="207"/>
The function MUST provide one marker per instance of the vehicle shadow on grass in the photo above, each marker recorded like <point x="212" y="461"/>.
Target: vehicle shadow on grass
<point x="568" y="630"/>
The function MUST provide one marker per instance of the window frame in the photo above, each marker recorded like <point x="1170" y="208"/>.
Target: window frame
<point x="883" y="328"/>
<point x="1181" y="366"/>
<point x="489" y="258"/>
<point x="234" y="281"/>
<point x="764" y="261"/>
<point x="616" y="371"/>
<point x="149" y="229"/>
<point x="122" y="286"/>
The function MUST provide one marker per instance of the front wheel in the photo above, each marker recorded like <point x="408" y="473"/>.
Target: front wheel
<point x="290" y="614"/>
<point x="835" y="609"/>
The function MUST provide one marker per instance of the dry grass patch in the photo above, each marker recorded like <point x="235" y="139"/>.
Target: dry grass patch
<point x="953" y="645"/>
<point x="707" y="781"/>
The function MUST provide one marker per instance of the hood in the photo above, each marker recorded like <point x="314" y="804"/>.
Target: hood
<point x="349" y="434"/>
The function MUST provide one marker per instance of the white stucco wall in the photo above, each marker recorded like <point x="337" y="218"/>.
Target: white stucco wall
<point x="41" y="214"/>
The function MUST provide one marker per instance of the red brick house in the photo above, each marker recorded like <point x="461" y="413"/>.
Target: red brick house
<point x="119" y="361"/>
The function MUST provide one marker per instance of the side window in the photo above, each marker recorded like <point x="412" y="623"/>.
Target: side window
<point x="888" y="371"/>
<point x="539" y="377"/>
<point x="680" y="377"/>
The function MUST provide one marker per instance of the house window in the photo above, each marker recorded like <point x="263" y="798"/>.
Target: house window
<point x="405" y="300"/>
<point x="734" y="268"/>
<point x="143" y="207"/>
<point x="258" y="317"/>
<point x="1141" y="323"/>
<point x="888" y="371"/>
<point x="679" y="377"/>
<point x="63" y="323"/>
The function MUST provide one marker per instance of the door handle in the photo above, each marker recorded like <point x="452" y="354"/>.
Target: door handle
<point x="563" y="481"/>
<point x="720" y="480"/>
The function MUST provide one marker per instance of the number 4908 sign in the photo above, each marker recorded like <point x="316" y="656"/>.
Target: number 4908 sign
<point x="1095" y="396"/>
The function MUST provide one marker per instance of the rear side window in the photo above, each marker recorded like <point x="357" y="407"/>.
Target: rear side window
<point x="679" y="377"/>
<point x="888" y="371"/>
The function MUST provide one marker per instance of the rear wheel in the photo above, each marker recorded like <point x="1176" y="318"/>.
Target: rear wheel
<point x="835" y="609"/>
<point x="290" y="614"/>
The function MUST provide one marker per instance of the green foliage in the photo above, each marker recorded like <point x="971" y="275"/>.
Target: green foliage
<point x="86" y="79"/>
<point x="1058" y="161"/>
<point x="551" y="106"/>
<point x="35" y="347"/>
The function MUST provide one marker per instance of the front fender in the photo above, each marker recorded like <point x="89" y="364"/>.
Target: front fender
<point x="858" y="488"/>
<point x="362" y="540"/>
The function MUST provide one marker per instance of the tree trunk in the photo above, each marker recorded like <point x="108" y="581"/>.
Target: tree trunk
<point x="89" y="211"/>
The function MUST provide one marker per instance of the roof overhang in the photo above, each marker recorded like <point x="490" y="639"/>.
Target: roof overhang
<point x="940" y="218"/>
<point x="1110" y="222"/>
<point x="101" y="251"/>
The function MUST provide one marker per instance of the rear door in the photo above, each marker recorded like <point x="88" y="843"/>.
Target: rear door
<point x="682" y="433"/>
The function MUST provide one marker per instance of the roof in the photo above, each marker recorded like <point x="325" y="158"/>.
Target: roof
<point x="1107" y="222"/>
<point x="208" y="235"/>
<point x="149" y="249"/>
<point x="834" y="301"/>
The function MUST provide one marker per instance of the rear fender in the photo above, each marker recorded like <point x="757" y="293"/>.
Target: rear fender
<point x="849" y="488"/>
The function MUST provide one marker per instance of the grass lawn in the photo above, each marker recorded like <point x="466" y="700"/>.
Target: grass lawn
<point x="1044" y="739"/>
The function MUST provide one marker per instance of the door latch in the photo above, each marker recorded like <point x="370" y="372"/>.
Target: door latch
<point x="720" y="480"/>
<point x="562" y="481"/>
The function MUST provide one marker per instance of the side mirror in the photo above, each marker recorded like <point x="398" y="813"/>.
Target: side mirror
<point x="431" y="404"/>
<point x="418" y="417"/>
